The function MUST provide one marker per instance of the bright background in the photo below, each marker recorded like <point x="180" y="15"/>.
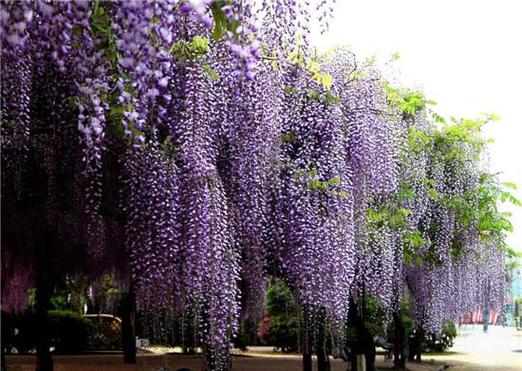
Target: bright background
<point x="464" y="54"/>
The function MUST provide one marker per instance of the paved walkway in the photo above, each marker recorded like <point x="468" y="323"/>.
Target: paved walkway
<point x="498" y="349"/>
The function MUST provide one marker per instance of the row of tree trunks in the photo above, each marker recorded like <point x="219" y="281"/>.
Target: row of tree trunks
<point x="311" y="341"/>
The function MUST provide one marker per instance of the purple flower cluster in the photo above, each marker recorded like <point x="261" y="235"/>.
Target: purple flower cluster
<point x="459" y="271"/>
<point x="17" y="279"/>
<point x="237" y="24"/>
<point x="313" y="203"/>
<point x="150" y="199"/>
<point x="372" y="156"/>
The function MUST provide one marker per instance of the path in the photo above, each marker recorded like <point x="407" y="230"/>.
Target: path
<point x="498" y="349"/>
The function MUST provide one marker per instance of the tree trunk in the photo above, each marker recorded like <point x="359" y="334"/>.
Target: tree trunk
<point x="307" y="343"/>
<point x="307" y="361"/>
<point x="4" y="365"/>
<point x="212" y="360"/>
<point x="323" y="361"/>
<point x="44" y="361"/>
<point x="416" y="346"/>
<point x="5" y="338"/>
<point x="364" y="344"/>
<point x="399" y="359"/>
<point x="128" y="327"/>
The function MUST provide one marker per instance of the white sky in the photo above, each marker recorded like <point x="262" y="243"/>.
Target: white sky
<point x="464" y="54"/>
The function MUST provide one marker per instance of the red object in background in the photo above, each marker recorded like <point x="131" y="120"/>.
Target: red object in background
<point x="475" y="317"/>
<point x="262" y="332"/>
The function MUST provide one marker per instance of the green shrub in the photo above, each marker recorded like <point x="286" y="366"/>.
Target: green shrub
<point x="283" y="333"/>
<point x="406" y="319"/>
<point x="441" y="342"/>
<point x="67" y="330"/>
<point x="23" y="338"/>
<point x="374" y="316"/>
<point x="246" y="335"/>
<point x="281" y="324"/>
<point x="104" y="332"/>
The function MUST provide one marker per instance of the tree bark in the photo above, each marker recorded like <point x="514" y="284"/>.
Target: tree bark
<point x="307" y="361"/>
<point x="364" y="344"/>
<point x="4" y="365"/>
<point x="307" y="344"/>
<point x="420" y="338"/>
<point x="128" y="327"/>
<point x="399" y="359"/>
<point x="44" y="361"/>
<point x="323" y="361"/>
<point x="416" y="346"/>
<point x="5" y="338"/>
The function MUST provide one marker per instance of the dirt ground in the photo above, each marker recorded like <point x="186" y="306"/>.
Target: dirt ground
<point x="498" y="350"/>
<point x="174" y="362"/>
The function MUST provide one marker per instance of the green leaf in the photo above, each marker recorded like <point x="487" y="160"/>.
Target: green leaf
<point x="508" y="197"/>
<point x="510" y="185"/>
<point x="199" y="45"/>
<point x="211" y="72"/>
<point x="334" y="181"/>
<point x="434" y="195"/>
<point x="287" y="137"/>
<point x="220" y="21"/>
<point x="289" y="90"/>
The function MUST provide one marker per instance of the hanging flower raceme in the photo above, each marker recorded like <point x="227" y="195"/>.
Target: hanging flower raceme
<point x="17" y="279"/>
<point x="313" y="204"/>
<point x="455" y="251"/>
<point x="209" y="270"/>
<point x="251" y="131"/>
<point x="150" y="200"/>
<point x="372" y="156"/>
<point x="16" y="21"/>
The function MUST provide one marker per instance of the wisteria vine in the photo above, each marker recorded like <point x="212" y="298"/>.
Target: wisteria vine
<point x="207" y="134"/>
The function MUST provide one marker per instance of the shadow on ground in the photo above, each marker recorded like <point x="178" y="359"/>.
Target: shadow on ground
<point x="174" y="362"/>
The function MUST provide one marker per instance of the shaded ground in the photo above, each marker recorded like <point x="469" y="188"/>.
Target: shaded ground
<point x="500" y="349"/>
<point x="173" y="362"/>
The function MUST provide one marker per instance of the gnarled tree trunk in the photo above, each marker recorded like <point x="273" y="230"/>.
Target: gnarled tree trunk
<point x="128" y="327"/>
